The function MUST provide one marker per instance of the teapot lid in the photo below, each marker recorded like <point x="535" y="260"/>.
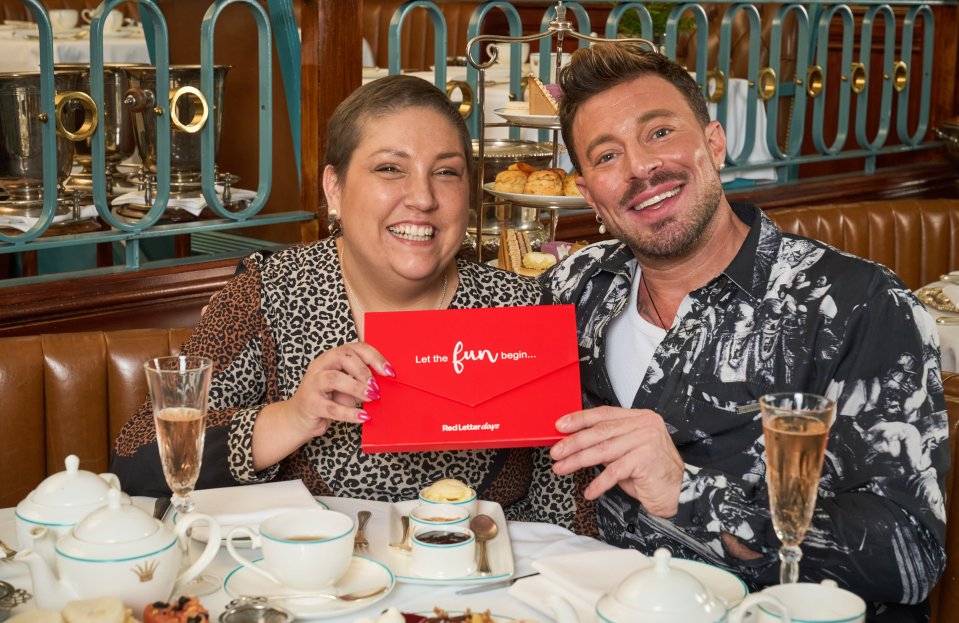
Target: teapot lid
<point x="662" y="592"/>
<point x="71" y="488"/>
<point x="116" y="523"/>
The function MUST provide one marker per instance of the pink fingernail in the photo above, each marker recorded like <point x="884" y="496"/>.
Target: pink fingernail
<point x="388" y="370"/>
<point x="363" y="416"/>
<point x="373" y="384"/>
<point x="371" y="395"/>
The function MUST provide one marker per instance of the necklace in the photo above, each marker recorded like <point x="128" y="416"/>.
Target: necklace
<point x="360" y="305"/>
<point x="651" y="301"/>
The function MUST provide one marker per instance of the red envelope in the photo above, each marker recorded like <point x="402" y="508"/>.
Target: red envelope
<point x="473" y="378"/>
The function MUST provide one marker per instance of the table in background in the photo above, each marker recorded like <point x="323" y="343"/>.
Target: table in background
<point x="529" y="541"/>
<point x="20" y="52"/>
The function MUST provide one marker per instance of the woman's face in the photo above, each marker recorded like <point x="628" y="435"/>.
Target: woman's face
<point x="404" y="201"/>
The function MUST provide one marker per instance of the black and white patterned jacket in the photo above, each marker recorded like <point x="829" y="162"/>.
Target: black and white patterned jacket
<point x="787" y="314"/>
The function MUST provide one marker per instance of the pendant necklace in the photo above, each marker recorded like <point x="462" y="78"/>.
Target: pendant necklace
<point x="649" y="295"/>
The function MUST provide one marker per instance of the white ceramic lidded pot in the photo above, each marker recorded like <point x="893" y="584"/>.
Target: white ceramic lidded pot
<point x="118" y="550"/>
<point x="59" y="503"/>
<point x="662" y="593"/>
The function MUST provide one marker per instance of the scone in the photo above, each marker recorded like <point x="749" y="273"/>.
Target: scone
<point x="560" y="172"/>
<point x="509" y="182"/>
<point x="538" y="261"/>
<point x="570" y="189"/>
<point x="522" y="166"/>
<point x="545" y="182"/>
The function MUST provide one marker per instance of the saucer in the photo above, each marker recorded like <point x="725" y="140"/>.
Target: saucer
<point x="499" y="550"/>
<point x="363" y="574"/>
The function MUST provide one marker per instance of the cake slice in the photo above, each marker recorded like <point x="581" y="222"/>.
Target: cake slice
<point x="542" y="97"/>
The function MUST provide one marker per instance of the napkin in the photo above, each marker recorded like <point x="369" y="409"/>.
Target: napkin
<point x="193" y="205"/>
<point x="248" y="505"/>
<point x="24" y="223"/>
<point x="580" y="578"/>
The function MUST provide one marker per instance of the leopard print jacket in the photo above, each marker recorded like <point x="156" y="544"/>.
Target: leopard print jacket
<point x="262" y="332"/>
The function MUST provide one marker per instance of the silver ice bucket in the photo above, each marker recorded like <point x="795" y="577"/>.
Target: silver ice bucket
<point x="190" y="112"/>
<point x="21" y="152"/>
<point x="117" y="120"/>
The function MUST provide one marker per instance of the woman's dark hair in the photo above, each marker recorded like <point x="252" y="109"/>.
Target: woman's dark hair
<point x="603" y="66"/>
<point x="383" y="97"/>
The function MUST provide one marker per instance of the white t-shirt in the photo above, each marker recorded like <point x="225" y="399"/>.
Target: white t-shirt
<point x="630" y="344"/>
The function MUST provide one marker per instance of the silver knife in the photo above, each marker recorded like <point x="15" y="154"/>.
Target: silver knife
<point x="161" y="507"/>
<point x="482" y="588"/>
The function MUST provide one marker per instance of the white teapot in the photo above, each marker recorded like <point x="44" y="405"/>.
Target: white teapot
<point x="118" y="550"/>
<point x="662" y="593"/>
<point x="59" y="503"/>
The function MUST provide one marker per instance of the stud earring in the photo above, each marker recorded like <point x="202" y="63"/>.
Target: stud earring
<point x="722" y="165"/>
<point x="602" y="225"/>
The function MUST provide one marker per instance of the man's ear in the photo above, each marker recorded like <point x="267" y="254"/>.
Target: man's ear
<point x="716" y="139"/>
<point x="581" y="185"/>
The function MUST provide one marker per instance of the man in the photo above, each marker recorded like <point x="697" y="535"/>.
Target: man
<point x="697" y="309"/>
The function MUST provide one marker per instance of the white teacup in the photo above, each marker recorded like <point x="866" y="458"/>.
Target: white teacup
<point x="113" y="22"/>
<point x="504" y="53"/>
<point x="436" y="516"/>
<point x="303" y="550"/>
<point x="443" y="552"/>
<point x="63" y="19"/>
<point x="814" y="603"/>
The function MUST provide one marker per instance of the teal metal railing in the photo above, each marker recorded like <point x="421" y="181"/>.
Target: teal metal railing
<point x="132" y="232"/>
<point x="775" y="131"/>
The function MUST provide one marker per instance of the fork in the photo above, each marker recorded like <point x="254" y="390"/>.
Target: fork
<point x="361" y="543"/>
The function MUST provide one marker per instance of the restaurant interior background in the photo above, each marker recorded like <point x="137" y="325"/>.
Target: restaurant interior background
<point x="843" y="131"/>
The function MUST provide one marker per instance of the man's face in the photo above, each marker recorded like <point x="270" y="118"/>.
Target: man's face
<point x="648" y="167"/>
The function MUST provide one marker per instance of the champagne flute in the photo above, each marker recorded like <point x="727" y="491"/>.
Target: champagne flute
<point x="179" y="390"/>
<point x="796" y="427"/>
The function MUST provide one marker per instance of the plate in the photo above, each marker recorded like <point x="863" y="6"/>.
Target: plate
<point x="538" y="201"/>
<point x="66" y="33"/>
<point x="526" y="119"/>
<point x="363" y="574"/>
<point x="499" y="550"/>
<point x="720" y="582"/>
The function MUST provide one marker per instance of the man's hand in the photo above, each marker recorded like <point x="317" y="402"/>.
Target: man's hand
<point x="636" y="449"/>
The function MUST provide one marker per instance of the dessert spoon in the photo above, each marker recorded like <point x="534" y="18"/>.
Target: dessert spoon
<point x="485" y="529"/>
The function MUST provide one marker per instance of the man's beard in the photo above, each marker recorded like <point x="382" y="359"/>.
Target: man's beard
<point x="677" y="235"/>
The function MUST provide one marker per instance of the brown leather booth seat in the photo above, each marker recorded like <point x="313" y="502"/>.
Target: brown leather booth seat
<point x="416" y="38"/>
<point x="916" y="238"/>
<point x="69" y="393"/>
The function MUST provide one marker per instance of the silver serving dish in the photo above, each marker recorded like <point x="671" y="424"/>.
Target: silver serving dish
<point x="949" y="134"/>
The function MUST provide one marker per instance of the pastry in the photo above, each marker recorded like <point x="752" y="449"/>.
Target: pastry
<point x="570" y="189"/>
<point x="543" y="182"/>
<point x="543" y="98"/>
<point x="448" y="490"/>
<point x="537" y="260"/>
<point x="183" y="610"/>
<point x="522" y="166"/>
<point x="98" y="610"/>
<point x="510" y="181"/>
<point x="560" y="172"/>
<point x="513" y="246"/>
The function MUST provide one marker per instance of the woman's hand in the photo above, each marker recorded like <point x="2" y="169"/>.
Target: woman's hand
<point x="335" y="386"/>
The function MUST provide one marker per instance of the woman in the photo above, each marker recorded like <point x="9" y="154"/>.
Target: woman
<point x="292" y="373"/>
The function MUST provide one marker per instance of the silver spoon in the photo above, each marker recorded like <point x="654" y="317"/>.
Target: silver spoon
<point x="357" y="596"/>
<point x="485" y="529"/>
<point x="404" y="544"/>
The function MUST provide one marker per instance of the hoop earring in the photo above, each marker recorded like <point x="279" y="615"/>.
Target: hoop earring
<point x="602" y="225"/>
<point x="333" y="224"/>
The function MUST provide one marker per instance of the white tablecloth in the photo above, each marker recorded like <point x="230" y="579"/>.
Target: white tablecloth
<point x="20" y="53"/>
<point x="529" y="541"/>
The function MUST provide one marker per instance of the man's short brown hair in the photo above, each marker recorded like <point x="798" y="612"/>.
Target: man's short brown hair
<point x="603" y="66"/>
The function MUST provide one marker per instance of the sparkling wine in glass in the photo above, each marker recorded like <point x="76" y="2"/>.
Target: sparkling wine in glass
<point x="179" y="390"/>
<point x="796" y="427"/>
